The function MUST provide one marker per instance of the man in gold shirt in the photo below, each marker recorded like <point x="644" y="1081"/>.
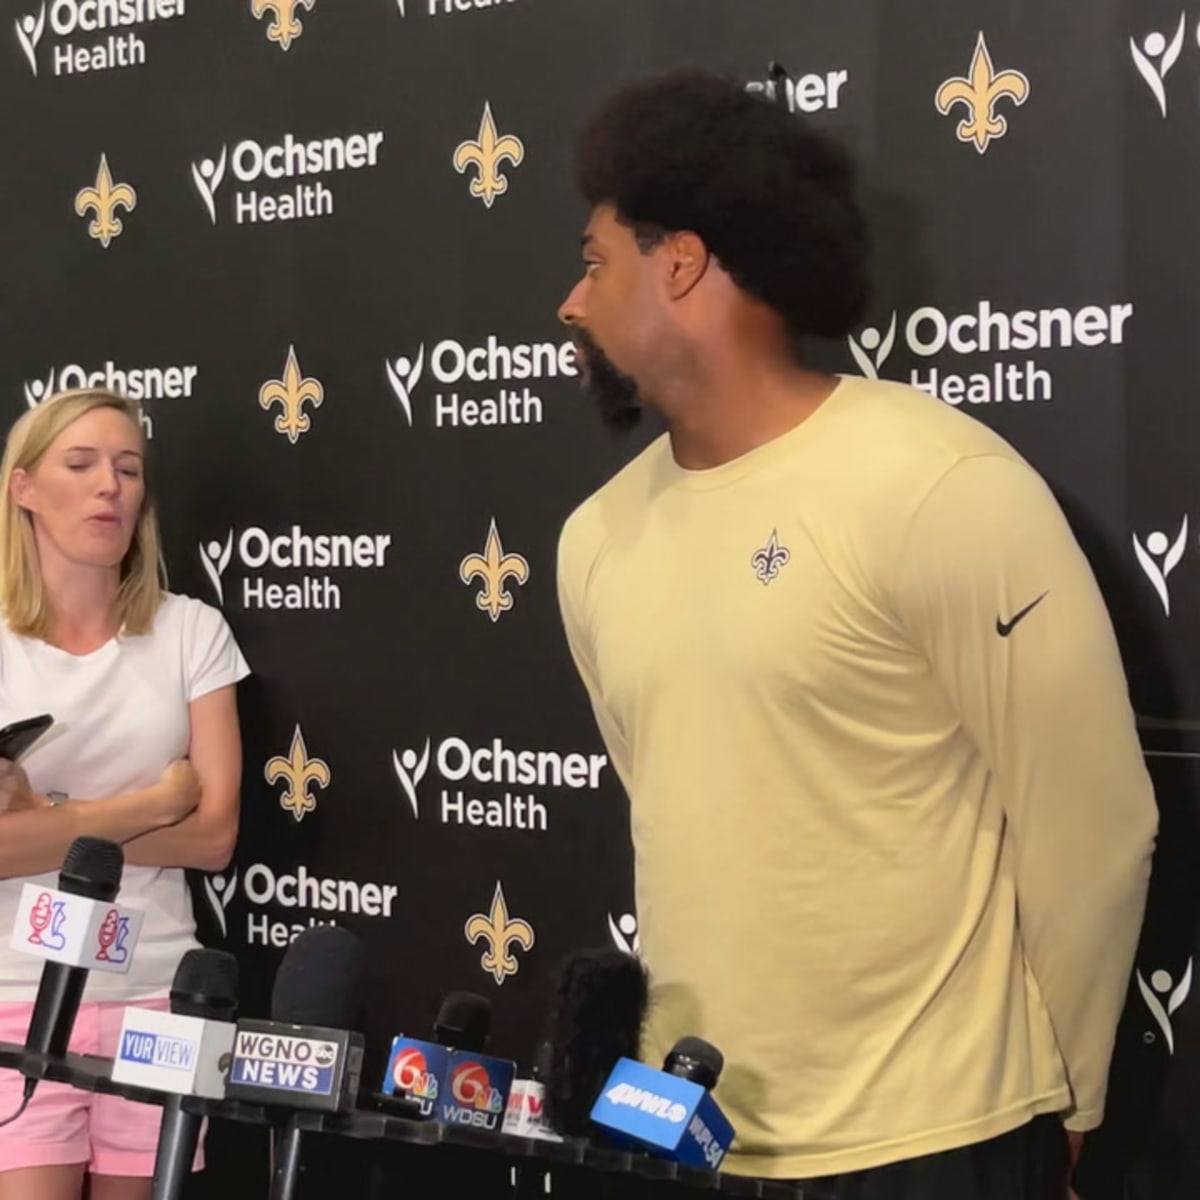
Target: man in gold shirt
<point x="891" y="821"/>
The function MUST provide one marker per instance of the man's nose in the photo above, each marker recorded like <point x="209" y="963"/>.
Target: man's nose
<point x="570" y="312"/>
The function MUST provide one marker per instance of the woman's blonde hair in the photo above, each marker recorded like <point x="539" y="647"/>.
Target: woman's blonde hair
<point x="23" y="597"/>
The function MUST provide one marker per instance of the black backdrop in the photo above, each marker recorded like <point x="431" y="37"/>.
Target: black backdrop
<point x="351" y="338"/>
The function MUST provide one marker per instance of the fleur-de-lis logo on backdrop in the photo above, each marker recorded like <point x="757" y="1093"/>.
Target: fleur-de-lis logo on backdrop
<point x="297" y="771"/>
<point x="291" y="392"/>
<point x="487" y="153"/>
<point x="105" y="198"/>
<point x="286" y="26"/>
<point x="771" y="559"/>
<point x="980" y="94"/>
<point x="499" y="931"/>
<point x="494" y="567"/>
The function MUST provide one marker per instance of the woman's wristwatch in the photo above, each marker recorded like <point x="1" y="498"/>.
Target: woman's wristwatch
<point x="57" y="798"/>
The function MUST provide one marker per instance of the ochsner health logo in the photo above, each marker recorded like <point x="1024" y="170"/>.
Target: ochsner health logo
<point x="174" y="382"/>
<point x="448" y="8"/>
<point x="501" y="773"/>
<point x="220" y="892"/>
<point x="807" y="93"/>
<point x="987" y="331"/>
<point x="116" y="20"/>
<point x="321" y="900"/>
<point x="1160" y="987"/>
<point x="307" y="163"/>
<point x="1159" y="557"/>
<point x="1155" y="57"/>
<point x="215" y="559"/>
<point x="37" y="390"/>
<point x="29" y="33"/>
<point x="207" y="175"/>
<point x="483" y="384"/>
<point x="292" y="570"/>
<point x="410" y="767"/>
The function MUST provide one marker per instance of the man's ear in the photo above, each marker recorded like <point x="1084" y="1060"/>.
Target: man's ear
<point x="686" y="260"/>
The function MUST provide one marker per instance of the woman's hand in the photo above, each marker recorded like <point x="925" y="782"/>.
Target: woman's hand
<point x="15" y="792"/>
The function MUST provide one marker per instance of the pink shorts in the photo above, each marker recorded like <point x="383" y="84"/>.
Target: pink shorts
<point x="61" y="1125"/>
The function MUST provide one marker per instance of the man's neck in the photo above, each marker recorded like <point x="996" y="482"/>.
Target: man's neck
<point x="731" y="415"/>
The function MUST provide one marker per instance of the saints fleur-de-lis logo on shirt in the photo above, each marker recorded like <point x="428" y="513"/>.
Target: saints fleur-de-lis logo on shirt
<point x="771" y="559"/>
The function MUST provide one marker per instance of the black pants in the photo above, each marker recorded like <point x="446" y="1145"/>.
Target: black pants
<point x="1030" y="1163"/>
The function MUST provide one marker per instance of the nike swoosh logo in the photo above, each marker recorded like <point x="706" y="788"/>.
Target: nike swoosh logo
<point x="1004" y="628"/>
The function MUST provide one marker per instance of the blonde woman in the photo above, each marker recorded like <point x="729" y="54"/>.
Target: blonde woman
<point x="144" y="750"/>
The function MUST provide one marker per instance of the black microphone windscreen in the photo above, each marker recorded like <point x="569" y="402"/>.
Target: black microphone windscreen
<point x="320" y="980"/>
<point x="464" y="1022"/>
<point x="598" y="1006"/>
<point x="695" y="1059"/>
<point x="206" y="985"/>
<point x="92" y="867"/>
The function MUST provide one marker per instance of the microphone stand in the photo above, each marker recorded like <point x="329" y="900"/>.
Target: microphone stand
<point x="286" y="1172"/>
<point x="177" y="1139"/>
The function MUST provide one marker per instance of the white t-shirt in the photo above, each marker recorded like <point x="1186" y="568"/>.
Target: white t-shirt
<point x="120" y="716"/>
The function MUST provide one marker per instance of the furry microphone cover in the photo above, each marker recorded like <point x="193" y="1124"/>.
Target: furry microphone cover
<point x="597" y="1009"/>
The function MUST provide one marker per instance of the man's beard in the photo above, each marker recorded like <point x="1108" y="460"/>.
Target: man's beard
<point x="615" y="394"/>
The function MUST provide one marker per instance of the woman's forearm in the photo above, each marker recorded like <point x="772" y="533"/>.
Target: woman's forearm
<point x="199" y="841"/>
<point x="35" y="840"/>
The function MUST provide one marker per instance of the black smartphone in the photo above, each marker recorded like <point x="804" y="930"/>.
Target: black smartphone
<point x="16" y="738"/>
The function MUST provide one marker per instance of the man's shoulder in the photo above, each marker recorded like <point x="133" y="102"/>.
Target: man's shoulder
<point x="914" y="425"/>
<point x="594" y="518"/>
<point x="896" y="443"/>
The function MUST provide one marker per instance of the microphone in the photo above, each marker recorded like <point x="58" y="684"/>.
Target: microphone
<point x="525" y="1115"/>
<point x="778" y="88"/>
<point x="184" y="1052"/>
<point x="75" y="929"/>
<point x="477" y="1089"/>
<point x="464" y="1021"/>
<point x="451" y="1078"/>
<point x="417" y="1069"/>
<point x="670" y="1111"/>
<point x="308" y="1056"/>
<point x="597" y="1009"/>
